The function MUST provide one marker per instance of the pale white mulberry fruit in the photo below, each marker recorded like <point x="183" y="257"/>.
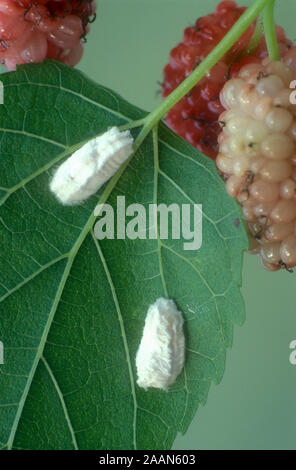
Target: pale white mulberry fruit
<point x="257" y="156"/>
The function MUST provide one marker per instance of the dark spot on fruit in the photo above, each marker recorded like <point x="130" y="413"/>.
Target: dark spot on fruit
<point x="249" y="178"/>
<point x="262" y="75"/>
<point x="284" y="266"/>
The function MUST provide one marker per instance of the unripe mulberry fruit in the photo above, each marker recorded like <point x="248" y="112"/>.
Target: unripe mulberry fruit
<point x="52" y="29"/>
<point x="195" y="117"/>
<point x="257" y="156"/>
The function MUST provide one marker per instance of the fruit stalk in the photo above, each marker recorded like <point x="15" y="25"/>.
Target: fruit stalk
<point x="269" y="30"/>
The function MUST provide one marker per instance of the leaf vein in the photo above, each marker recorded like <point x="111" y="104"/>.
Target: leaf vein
<point x="64" y="406"/>
<point x="126" y="347"/>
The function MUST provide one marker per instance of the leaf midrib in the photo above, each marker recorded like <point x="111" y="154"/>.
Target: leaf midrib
<point x="122" y="328"/>
<point x="155" y="200"/>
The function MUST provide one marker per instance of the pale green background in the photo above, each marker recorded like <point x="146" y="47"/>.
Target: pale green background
<point x="255" y="406"/>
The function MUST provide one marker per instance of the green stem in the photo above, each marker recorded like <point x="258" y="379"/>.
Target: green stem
<point x="269" y="30"/>
<point x="220" y="50"/>
<point x="132" y="124"/>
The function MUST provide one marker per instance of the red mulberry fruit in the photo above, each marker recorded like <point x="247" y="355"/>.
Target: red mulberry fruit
<point x="32" y="31"/>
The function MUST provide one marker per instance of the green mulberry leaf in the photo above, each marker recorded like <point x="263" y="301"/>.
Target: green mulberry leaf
<point x="73" y="307"/>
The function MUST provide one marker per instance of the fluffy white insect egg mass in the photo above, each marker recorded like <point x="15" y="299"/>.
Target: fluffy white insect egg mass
<point x="82" y="174"/>
<point x="160" y="357"/>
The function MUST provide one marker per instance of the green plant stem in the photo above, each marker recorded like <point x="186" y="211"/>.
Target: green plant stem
<point x="269" y="30"/>
<point x="220" y="50"/>
<point x="132" y="124"/>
